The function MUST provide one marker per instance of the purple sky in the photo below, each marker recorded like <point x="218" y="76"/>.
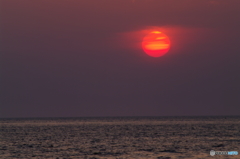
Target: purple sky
<point x="69" y="58"/>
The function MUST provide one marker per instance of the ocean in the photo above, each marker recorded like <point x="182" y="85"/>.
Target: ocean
<point x="120" y="137"/>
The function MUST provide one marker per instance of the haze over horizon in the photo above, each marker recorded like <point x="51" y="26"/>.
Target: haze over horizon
<point x="83" y="58"/>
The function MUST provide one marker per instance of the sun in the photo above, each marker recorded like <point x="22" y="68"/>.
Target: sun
<point x="156" y="44"/>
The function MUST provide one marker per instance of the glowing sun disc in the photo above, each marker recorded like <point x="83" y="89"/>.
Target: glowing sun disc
<point x="156" y="44"/>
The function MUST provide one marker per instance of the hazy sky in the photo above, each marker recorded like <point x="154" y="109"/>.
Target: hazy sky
<point x="74" y="58"/>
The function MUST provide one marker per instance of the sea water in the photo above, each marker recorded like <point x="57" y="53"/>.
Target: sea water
<point x="120" y="137"/>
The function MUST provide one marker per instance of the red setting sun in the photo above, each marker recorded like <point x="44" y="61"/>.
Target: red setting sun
<point x="156" y="44"/>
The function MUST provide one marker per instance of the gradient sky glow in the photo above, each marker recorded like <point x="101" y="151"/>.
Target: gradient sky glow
<point x="70" y="58"/>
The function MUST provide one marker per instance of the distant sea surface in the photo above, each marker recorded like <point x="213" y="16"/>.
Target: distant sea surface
<point x="119" y="137"/>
